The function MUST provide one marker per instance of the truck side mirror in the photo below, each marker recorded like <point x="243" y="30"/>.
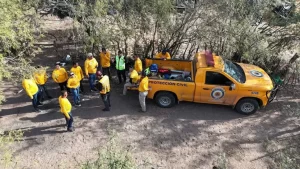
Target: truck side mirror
<point x="232" y="86"/>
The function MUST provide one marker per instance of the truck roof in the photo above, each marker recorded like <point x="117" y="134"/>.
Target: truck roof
<point x="201" y="61"/>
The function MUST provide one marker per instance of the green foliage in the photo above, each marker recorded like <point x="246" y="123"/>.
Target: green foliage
<point x="7" y="140"/>
<point x="112" y="156"/>
<point x="285" y="155"/>
<point x="221" y="162"/>
<point x="18" y="29"/>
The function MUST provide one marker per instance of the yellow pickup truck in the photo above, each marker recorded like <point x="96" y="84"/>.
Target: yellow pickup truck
<point x="243" y="86"/>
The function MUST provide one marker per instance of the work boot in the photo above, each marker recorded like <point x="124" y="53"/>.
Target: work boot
<point x="70" y="129"/>
<point x="50" y="97"/>
<point x="105" y="109"/>
<point x="40" y="104"/>
<point x="141" y="111"/>
<point x="37" y="110"/>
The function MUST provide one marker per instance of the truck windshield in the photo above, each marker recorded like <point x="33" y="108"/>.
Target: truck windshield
<point x="235" y="71"/>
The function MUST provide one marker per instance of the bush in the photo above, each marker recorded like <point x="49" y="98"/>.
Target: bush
<point x="112" y="156"/>
<point x="6" y="141"/>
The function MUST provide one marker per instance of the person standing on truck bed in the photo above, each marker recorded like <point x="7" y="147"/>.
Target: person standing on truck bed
<point x="138" y="66"/>
<point x="105" y="62"/>
<point x="120" y="66"/>
<point x="134" y="78"/>
<point x="143" y="91"/>
<point x="163" y="55"/>
<point x="60" y="76"/>
<point x="90" y="66"/>
<point x="104" y="87"/>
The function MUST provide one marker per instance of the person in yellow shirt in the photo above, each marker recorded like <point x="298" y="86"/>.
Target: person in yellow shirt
<point x="163" y="55"/>
<point x="105" y="62"/>
<point x="104" y="87"/>
<point x="76" y="69"/>
<point x="134" y="78"/>
<point x="74" y="84"/>
<point x="40" y="77"/>
<point x="143" y="90"/>
<point x="65" y="109"/>
<point x="60" y="76"/>
<point x="138" y="66"/>
<point x="90" y="66"/>
<point x="32" y="91"/>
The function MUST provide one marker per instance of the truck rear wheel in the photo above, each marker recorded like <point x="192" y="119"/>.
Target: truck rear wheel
<point x="247" y="106"/>
<point x="165" y="99"/>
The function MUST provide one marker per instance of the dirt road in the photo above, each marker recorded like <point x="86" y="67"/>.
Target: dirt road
<point x="187" y="136"/>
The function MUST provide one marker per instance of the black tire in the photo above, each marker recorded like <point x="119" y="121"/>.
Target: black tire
<point x="165" y="99"/>
<point x="247" y="106"/>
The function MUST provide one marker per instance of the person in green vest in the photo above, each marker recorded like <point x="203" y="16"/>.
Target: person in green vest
<point x="120" y="66"/>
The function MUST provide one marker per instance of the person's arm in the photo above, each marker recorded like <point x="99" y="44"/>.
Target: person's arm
<point x="86" y="68"/>
<point x="64" y="110"/>
<point x="35" y="78"/>
<point x="54" y="77"/>
<point x="168" y="55"/>
<point x="158" y="55"/>
<point x="140" y="66"/>
<point x="107" y="56"/>
<point x="96" y="63"/>
<point x="45" y="77"/>
<point x="99" y="86"/>
<point x="26" y="87"/>
<point x="81" y="73"/>
<point x="66" y="74"/>
<point x="69" y="83"/>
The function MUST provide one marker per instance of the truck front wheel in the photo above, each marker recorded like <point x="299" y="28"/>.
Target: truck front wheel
<point x="165" y="99"/>
<point x="247" y="106"/>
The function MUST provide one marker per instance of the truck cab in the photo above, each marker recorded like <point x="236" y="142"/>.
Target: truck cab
<point x="245" y="87"/>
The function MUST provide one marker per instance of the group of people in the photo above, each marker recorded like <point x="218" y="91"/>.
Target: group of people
<point x="35" y="86"/>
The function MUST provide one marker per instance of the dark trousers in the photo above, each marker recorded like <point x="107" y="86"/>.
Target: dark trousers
<point x="35" y="100"/>
<point x="106" y="100"/>
<point x="69" y="122"/>
<point x="92" y="79"/>
<point x="106" y="71"/>
<point x="43" y="89"/>
<point x="63" y="86"/>
<point x="121" y="73"/>
<point x="81" y="86"/>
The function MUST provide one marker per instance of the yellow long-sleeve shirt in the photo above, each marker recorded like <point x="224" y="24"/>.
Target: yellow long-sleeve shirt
<point x="78" y="72"/>
<point x="134" y="76"/>
<point x="138" y="66"/>
<point x="90" y="66"/>
<point x="105" y="59"/>
<point x="30" y="87"/>
<point x="65" y="106"/>
<point x="73" y="82"/>
<point x="40" y="77"/>
<point x="162" y="56"/>
<point x="144" y="85"/>
<point x="60" y="75"/>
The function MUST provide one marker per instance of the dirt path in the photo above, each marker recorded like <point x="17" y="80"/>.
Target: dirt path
<point x="186" y="136"/>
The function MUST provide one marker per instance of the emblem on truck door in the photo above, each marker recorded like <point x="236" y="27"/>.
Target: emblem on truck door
<point x="217" y="93"/>
<point x="256" y="73"/>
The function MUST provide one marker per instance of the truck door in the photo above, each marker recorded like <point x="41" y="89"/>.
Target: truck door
<point x="216" y="89"/>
